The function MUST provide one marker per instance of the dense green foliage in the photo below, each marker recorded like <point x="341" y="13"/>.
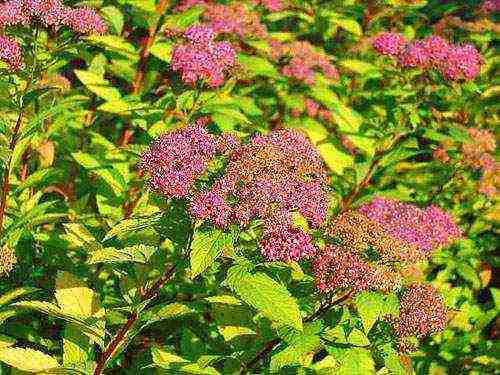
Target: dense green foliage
<point x="109" y="276"/>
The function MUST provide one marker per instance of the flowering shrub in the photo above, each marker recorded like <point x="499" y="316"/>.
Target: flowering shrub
<point x="237" y="187"/>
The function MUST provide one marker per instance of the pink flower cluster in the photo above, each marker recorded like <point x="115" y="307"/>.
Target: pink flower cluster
<point x="425" y="229"/>
<point x="203" y="58"/>
<point x="379" y="244"/>
<point x="453" y="61"/>
<point x="490" y="6"/>
<point x="312" y="109"/>
<point x="177" y="159"/>
<point x="271" y="5"/>
<point x="50" y="13"/>
<point x="10" y="52"/>
<point x="269" y="178"/>
<point x="338" y="268"/>
<point x="477" y="154"/>
<point x="234" y="19"/>
<point x="303" y="61"/>
<point x="421" y="313"/>
<point x="186" y="4"/>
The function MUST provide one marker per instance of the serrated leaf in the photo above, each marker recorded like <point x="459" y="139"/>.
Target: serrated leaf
<point x="257" y="66"/>
<point x="356" y="361"/>
<point x="335" y="159"/>
<point x="137" y="253"/>
<point x="114" y="17"/>
<point x="115" y="43"/>
<point x="162" y="50"/>
<point x="300" y="353"/>
<point x="372" y="305"/>
<point x="206" y="247"/>
<point x="112" y="177"/>
<point x="347" y="24"/>
<point x="131" y="225"/>
<point x="11" y="296"/>
<point x="28" y="360"/>
<point x="172" y="362"/>
<point x="266" y="295"/>
<point x="98" y="85"/>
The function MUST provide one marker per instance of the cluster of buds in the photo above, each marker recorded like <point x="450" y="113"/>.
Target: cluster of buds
<point x="381" y="241"/>
<point x="203" y="58"/>
<point x="49" y="13"/>
<point x="421" y="312"/>
<point x="187" y="4"/>
<point x="270" y="5"/>
<point x="423" y="229"/>
<point x="477" y="154"/>
<point x="490" y="6"/>
<point x="270" y="178"/>
<point x="234" y="19"/>
<point x="302" y="61"/>
<point x="177" y="159"/>
<point x="313" y="110"/>
<point x="338" y="268"/>
<point x="7" y="260"/>
<point x="453" y="61"/>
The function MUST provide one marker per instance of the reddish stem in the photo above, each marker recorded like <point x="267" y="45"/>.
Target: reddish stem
<point x="149" y="294"/>
<point x="127" y="133"/>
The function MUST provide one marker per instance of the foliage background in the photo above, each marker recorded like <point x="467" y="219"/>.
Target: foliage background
<point x="88" y="235"/>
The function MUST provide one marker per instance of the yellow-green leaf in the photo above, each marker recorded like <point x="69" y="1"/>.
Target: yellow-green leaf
<point x="28" y="360"/>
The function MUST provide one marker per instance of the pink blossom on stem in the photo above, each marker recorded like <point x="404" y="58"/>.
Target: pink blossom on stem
<point x="202" y="58"/>
<point x="10" y="52"/>
<point x="424" y="229"/>
<point x="422" y="312"/>
<point x="12" y="13"/>
<point x="271" y="5"/>
<point x="390" y="44"/>
<point x="177" y="159"/>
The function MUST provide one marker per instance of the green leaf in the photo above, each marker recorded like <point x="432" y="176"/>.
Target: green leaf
<point x="116" y="44"/>
<point x="16" y="294"/>
<point x="6" y="342"/>
<point x="98" y="85"/>
<point x="366" y="69"/>
<point x="74" y="297"/>
<point x="495" y="292"/>
<point x="266" y="295"/>
<point x="257" y="66"/>
<point x="206" y="247"/>
<point x="335" y="159"/>
<point x="300" y="353"/>
<point x="112" y="177"/>
<point x="137" y="253"/>
<point x="131" y="225"/>
<point x="372" y="305"/>
<point x="177" y="364"/>
<point x="87" y="326"/>
<point x="356" y="361"/>
<point x="114" y="17"/>
<point x="162" y="50"/>
<point x="28" y="360"/>
<point x="347" y="24"/>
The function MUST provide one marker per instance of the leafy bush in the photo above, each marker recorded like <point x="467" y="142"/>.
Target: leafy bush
<point x="262" y="186"/>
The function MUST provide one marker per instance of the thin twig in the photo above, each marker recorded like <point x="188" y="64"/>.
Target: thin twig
<point x="365" y="182"/>
<point x="270" y="345"/>
<point x="126" y="135"/>
<point x="150" y="294"/>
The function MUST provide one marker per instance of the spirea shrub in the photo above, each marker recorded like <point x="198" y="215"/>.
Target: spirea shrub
<point x="248" y="187"/>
